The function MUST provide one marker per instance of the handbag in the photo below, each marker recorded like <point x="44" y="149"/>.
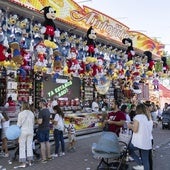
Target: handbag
<point x="14" y="131"/>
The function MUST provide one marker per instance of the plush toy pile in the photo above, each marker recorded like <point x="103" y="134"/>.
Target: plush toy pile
<point x="27" y="44"/>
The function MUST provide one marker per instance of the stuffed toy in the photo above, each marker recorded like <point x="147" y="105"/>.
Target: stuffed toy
<point x="36" y="31"/>
<point x="3" y="46"/>
<point x="16" y="53"/>
<point x="57" y="65"/>
<point x="155" y="83"/>
<point x="150" y="61"/>
<point x="165" y="65"/>
<point x="91" y="45"/>
<point x="41" y="55"/>
<point x="73" y="63"/>
<point x="9" y="26"/>
<point x="129" y="51"/>
<point x="26" y="65"/>
<point x="49" y="29"/>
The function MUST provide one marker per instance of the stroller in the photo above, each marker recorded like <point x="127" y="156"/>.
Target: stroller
<point x="166" y="119"/>
<point x="111" y="151"/>
<point x="14" y="155"/>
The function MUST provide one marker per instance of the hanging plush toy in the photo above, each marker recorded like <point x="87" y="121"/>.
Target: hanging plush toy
<point x="57" y="65"/>
<point x="41" y="55"/>
<point x="3" y="47"/>
<point x="150" y="61"/>
<point x="9" y="26"/>
<point x="130" y="51"/>
<point x="91" y="45"/>
<point x="165" y="65"/>
<point x="49" y="29"/>
<point x="16" y="53"/>
<point x="73" y="63"/>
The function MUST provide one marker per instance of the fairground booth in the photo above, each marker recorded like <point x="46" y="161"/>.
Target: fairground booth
<point x="58" y="48"/>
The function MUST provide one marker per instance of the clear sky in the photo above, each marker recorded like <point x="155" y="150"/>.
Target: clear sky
<point x="151" y="17"/>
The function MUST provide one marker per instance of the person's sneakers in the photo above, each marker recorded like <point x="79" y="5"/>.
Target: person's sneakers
<point x="22" y="165"/>
<point x="43" y="161"/>
<point x="49" y="159"/>
<point x="6" y="155"/>
<point x="54" y="155"/>
<point x="62" y="154"/>
<point x="138" y="167"/>
<point x="130" y="159"/>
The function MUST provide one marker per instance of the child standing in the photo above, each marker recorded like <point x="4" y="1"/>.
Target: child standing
<point x="71" y="135"/>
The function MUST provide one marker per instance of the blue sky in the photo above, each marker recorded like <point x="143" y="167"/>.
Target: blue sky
<point x="151" y="17"/>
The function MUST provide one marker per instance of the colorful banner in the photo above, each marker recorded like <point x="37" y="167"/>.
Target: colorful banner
<point x="71" y="13"/>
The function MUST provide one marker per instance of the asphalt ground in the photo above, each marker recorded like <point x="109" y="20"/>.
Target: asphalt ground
<point x="83" y="159"/>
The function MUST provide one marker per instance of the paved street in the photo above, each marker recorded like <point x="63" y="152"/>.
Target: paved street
<point x="83" y="159"/>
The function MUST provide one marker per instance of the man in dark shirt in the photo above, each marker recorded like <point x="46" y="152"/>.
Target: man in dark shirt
<point x="44" y="130"/>
<point x="116" y="118"/>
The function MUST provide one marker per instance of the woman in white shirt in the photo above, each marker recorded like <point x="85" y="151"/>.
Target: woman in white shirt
<point x="26" y="122"/>
<point x="58" y="124"/>
<point x="141" y="138"/>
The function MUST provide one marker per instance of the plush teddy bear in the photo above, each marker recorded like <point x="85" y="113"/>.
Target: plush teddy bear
<point x="16" y="53"/>
<point x="49" y="28"/>
<point x="57" y="65"/>
<point x="91" y="45"/>
<point x="129" y="51"/>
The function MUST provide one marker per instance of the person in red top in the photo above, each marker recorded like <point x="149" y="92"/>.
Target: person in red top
<point x="116" y="118"/>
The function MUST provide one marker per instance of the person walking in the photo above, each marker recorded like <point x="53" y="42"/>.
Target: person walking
<point x="44" y="131"/>
<point x="26" y="122"/>
<point x="58" y="124"/>
<point x="5" y="125"/>
<point x="141" y="138"/>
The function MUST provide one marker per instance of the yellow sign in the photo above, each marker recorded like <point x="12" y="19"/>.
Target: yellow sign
<point x="70" y="12"/>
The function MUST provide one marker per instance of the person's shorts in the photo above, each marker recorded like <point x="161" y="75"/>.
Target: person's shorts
<point x="4" y="133"/>
<point x="71" y="137"/>
<point x="43" y="135"/>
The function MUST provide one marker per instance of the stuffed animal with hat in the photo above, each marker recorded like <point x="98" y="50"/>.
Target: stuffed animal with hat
<point x="129" y="51"/>
<point x="91" y="45"/>
<point x="49" y="28"/>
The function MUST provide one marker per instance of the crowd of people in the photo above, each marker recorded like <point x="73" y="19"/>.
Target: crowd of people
<point x="49" y="113"/>
<point x="140" y="118"/>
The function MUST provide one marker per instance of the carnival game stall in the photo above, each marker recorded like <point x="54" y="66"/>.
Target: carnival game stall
<point x="58" y="48"/>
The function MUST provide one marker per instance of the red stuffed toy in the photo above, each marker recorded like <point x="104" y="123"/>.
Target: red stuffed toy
<point x="149" y="60"/>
